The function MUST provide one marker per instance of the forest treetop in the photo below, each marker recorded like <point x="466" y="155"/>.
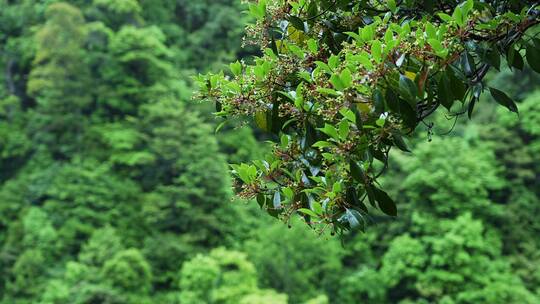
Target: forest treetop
<point x="339" y="83"/>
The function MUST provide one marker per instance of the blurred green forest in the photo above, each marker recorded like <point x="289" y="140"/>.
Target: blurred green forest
<point x="115" y="189"/>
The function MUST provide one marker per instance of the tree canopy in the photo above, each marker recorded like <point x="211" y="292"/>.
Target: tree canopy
<point x="339" y="84"/>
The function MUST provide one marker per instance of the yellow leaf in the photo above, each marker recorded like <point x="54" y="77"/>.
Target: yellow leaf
<point x="261" y="121"/>
<point x="281" y="47"/>
<point x="363" y="107"/>
<point x="296" y="35"/>
<point x="410" y="75"/>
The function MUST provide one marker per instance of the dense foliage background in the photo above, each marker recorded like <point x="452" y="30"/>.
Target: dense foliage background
<point x="114" y="188"/>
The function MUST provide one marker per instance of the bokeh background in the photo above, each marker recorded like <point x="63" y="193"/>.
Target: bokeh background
<point x="114" y="187"/>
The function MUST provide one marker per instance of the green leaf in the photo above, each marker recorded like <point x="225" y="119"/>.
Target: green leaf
<point x="536" y="42"/>
<point x="258" y="10"/>
<point x="247" y="173"/>
<point x="493" y="58"/>
<point x="439" y="49"/>
<point x="327" y="91"/>
<point x="503" y="99"/>
<point x="371" y="194"/>
<point x="457" y="16"/>
<point x="288" y="192"/>
<point x="386" y="204"/>
<point x="378" y="101"/>
<point x="400" y="142"/>
<point x="408" y="89"/>
<point x="347" y="113"/>
<point x="392" y="101"/>
<point x="352" y="198"/>
<point x="364" y="60"/>
<point x="312" y="10"/>
<point x="376" y="51"/>
<point x="355" y="36"/>
<point x="270" y="52"/>
<point x="368" y="32"/>
<point x="470" y="108"/>
<point x="335" y="80"/>
<point x="431" y="31"/>
<point x="445" y="92"/>
<point x="305" y="76"/>
<point x="330" y="131"/>
<point x="445" y="17"/>
<point x="467" y="63"/>
<point x="392" y="6"/>
<point x="275" y="121"/>
<point x="261" y="120"/>
<point x="316" y="207"/>
<point x="236" y="68"/>
<point x="261" y="200"/>
<point x="297" y="23"/>
<point x="296" y="50"/>
<point x="388" y="36"/>
<point x="308" y="212"/>
<point x="311" y="135"/>
<point x="333" y="61"/>
<point x="336" y="187"/>
<point x="353" y="217"/>
<point x="286" y="95"/>
<point x="343" y="129"/>
<point x="312" y="45"/>
<point x="323" y="144"/>
<point x="467" y="7"/>
<point x="515" y="59"/>
<point x="356" y="171"/>
<point x="323" y="66"/>
<point x="284" y="140"/>
<point x="346" y="78"/>
<point x="458" y="88"/>
<point x="533" y="57"/>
